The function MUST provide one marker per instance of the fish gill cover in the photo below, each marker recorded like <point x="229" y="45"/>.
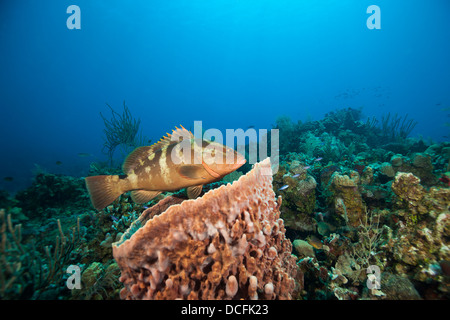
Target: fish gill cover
<point x="348" y="99"/>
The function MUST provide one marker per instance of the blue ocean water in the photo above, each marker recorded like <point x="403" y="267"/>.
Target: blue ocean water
<point x="228" y="63"/>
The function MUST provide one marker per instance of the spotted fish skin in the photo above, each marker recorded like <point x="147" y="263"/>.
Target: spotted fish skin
<point x="175" y="162"/>
<point x="157" y="171"/>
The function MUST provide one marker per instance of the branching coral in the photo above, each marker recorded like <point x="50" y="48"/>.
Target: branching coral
<point x="369" y="235"/>
<point x="121" y="130"/>
<point x="23" y="271"/>
<point x="396" y="128"/>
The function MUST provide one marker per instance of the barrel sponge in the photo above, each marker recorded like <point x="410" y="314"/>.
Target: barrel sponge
<point x="228" y="244"/>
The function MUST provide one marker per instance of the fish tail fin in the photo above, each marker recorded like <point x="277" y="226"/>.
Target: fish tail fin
<point x="103" y="190"/>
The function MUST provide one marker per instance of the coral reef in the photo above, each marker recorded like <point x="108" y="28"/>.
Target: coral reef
<point x="424" y="229"/>
<point x="346" y="198"/>
<point x="303" y="248"/>
<point x="99" y="282"/>
<point x="380" y="200"/>
<point x="353" y="198"/>
<point x="397" y="287"/>
<point x="228" y="244"/>
<point x="50" y="194"/>
<point x="299" y="198"/>
<point x="27" y="272"/>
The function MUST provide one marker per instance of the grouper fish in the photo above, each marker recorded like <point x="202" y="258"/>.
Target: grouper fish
<point x="176" y="161"/>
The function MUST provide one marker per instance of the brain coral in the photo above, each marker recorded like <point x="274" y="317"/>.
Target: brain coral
<point x="228" y="244"/>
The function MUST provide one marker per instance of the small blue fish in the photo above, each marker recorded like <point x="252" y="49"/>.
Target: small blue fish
<point x="114" y="218"/>
<point x="84" y="154"/>
<point x="284" y="187"/>
<point x="318" y="159"/>
<point x="296" y="175"/>
<point x="306" y="167"/>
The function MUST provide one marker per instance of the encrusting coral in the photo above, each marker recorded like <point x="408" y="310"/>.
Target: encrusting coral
<point x="299" y="198"/>
<point x="228" y="244"/>
<point x="348" y="202"/>
<point x="423" y="238"/>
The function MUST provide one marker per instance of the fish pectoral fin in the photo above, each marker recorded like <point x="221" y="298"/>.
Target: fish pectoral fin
<point x="143" y="196"/>
<point x="194" y="191"/>
<point x="192" y="172"/>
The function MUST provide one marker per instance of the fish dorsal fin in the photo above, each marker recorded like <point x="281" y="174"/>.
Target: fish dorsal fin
<point x="180" y="134"/>
<point x="176" y="136"/>
<point x="133" y="158"/>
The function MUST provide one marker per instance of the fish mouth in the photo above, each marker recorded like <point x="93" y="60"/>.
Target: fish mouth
<point x="239" y="163"/>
